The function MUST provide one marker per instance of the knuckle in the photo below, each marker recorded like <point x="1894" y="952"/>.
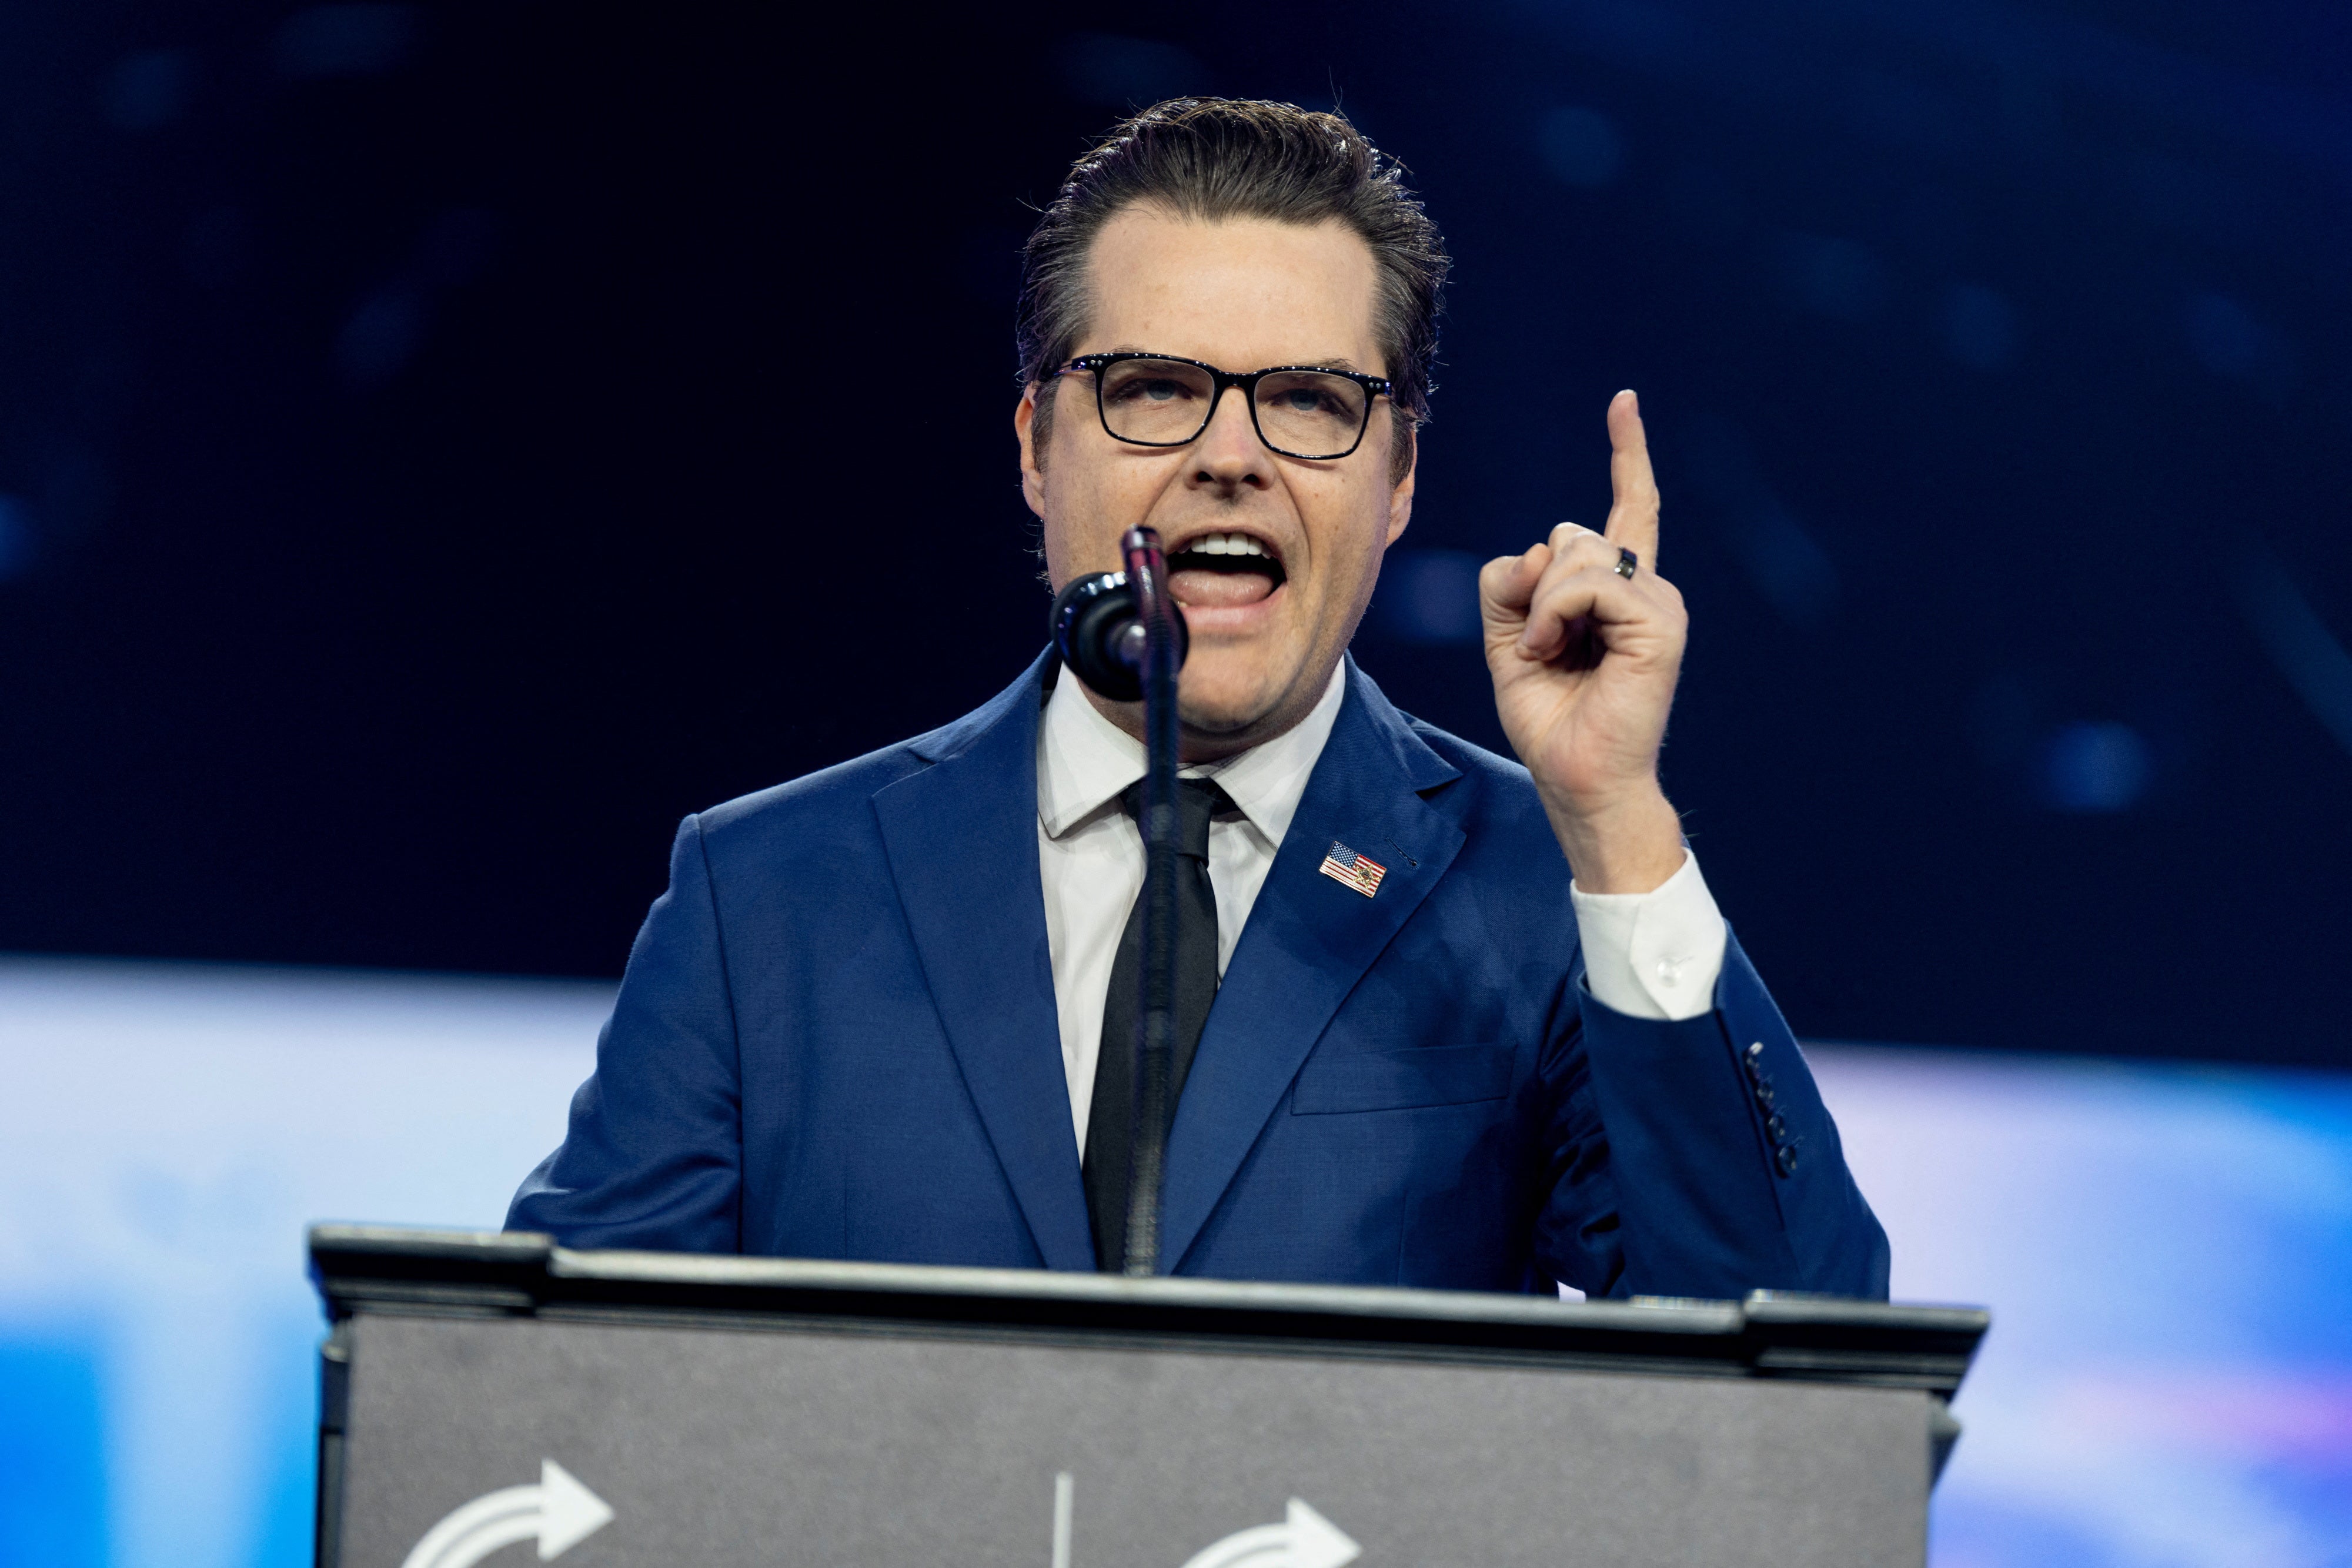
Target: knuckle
<point x="1588" y="551"/>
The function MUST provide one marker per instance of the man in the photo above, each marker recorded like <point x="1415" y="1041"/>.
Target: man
<point x="1419" y="1053"/>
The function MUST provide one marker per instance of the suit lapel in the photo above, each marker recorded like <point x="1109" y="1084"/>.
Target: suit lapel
<point x="1308" y="940"/>
<point x="961" y="838"/>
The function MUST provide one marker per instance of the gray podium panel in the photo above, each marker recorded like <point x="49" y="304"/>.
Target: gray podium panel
<point x="789" y="1448"/>
<point x="488" y="1398"/>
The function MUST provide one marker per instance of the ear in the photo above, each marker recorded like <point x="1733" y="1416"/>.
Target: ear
<point x="1401" y="497"/>
<point x="1025" y="431"/>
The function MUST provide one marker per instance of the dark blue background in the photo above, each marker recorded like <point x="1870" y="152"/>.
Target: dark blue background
<point x="442" y="445"/>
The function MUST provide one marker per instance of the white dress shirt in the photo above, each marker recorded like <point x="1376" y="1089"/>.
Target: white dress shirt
<point x="1650" y="954"/>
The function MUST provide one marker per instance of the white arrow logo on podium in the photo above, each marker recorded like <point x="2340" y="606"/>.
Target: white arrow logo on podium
<point x="1304" y="1539"/>
<point x="559" y="1511"/>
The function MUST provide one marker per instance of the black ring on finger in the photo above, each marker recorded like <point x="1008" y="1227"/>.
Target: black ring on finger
<point x="1628" y="563"/>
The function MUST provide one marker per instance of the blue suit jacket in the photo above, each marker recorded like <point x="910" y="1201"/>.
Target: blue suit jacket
<point x="837" y="1038"/>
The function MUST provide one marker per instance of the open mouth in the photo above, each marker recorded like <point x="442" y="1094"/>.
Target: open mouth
<point x="1223" y="571"/>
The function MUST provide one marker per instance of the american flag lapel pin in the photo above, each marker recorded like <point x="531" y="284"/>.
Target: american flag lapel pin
<point x="1359" y="871"/>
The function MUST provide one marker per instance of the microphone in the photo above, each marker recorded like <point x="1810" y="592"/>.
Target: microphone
<point x="1100" y="635"/>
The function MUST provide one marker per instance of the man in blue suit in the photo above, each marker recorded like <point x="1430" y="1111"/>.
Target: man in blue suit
<point x="1446" y="1021"/>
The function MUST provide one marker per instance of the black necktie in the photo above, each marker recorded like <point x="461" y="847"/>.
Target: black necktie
<point x="1110" y="1120"/>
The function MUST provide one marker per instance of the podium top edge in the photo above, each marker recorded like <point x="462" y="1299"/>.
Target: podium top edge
<point x="369" y="1267"/>
<point x="414" y="1241"/>
<point x="1112" y="1290"/>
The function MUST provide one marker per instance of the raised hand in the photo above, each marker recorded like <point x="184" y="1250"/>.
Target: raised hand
<point x="1585" y="660"/>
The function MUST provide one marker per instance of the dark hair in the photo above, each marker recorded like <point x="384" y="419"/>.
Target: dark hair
<point x="1217" y="158"/>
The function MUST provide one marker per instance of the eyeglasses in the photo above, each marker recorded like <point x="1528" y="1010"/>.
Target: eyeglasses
<point x="1299" y="411"/>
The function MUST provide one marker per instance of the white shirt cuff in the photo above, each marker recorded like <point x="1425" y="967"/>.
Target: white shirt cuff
<point x="1654" y="955"/>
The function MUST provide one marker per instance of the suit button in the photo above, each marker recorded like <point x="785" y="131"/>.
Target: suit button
<point x="1786" y="1160"/>
<point x="1777" y="1127"/>
<point x="1764" y="1095"/>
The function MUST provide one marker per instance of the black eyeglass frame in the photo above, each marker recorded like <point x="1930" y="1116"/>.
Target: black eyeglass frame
<point x="1376" y="387"/>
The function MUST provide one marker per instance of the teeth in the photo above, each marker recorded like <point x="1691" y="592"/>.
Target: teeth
<point x="1226" y="544"/>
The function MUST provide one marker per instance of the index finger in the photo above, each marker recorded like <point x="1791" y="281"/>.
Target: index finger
<point x="1633" y="506"/>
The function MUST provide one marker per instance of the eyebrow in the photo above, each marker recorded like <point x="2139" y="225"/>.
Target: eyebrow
<point x="1328" y="362"/>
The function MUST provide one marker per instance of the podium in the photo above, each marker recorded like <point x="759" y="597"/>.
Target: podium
<point x="495" y="1397"/>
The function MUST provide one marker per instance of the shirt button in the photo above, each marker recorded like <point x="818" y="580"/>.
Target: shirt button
<point x="1668" y="974"/>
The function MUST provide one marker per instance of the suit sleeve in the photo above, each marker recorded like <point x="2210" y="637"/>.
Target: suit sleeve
<point x="1695" y="1158"/>
<point x="653" y="1157"/>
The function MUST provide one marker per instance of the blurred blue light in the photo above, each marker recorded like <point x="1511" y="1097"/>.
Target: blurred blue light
<point x="2132" y="1408"/>
<point x="1430" y="596"/>
<point x="167" y="1132"/>
<point x="1795" y="573"/>
<point x="16" y="537"/>
<point x="1116" y="72"/>
<point x="2092" y="767"/>
<point x="2230" y="341"/>
<point x="163" y="1143"/>
<point x="1582" y="146"/>
<point x="381" y="336"/>
<point x="1830" y="277"/>
<point x="52" y="1453"/>
<point x="2298" y="642"/>
<point x="148" y="89"/>
<point x="1980" y="327"/>
<point x="353" y="39"/>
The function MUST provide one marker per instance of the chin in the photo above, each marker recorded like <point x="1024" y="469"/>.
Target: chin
<point x="1217" y="701"/>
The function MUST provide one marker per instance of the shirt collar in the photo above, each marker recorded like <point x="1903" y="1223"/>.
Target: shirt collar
<point x="1085" y="762"/>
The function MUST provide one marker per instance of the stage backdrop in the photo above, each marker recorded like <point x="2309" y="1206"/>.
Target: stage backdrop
<point x="443" y="443"/>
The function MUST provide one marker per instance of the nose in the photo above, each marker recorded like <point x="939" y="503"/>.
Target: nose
<point x="1228" y="456"/>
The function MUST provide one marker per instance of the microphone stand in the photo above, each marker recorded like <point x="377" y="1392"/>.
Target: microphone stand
<point x="1121" y="633"/>
<point x="1155" y="1044"/>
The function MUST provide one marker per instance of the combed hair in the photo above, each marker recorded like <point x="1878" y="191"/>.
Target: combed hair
<point x="1211" y="159"/>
